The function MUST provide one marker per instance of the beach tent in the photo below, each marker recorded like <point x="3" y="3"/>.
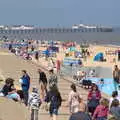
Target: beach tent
<point x="99" y="57"/>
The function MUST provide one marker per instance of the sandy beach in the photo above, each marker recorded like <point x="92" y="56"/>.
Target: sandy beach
<point x="17" y="64"/>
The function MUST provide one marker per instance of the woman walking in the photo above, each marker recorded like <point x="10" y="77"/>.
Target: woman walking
<point x="54" y="98"/>
<point x="94" y="96"/>
<point x="74" y="100"/>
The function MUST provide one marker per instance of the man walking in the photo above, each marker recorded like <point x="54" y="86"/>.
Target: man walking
<point x="42" y="79"/>
<point x="116" y="76"/>
<point x="25" y="84"/>
<point x="53" y="80"/>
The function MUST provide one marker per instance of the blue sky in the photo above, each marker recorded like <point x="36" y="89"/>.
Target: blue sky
<point x="48" y="13"/>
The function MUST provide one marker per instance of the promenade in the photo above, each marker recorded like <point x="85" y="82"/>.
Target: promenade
<point x="11" y="66"/>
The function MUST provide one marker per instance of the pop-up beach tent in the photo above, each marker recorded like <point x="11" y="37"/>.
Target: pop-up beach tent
<point x="99" y="57"/>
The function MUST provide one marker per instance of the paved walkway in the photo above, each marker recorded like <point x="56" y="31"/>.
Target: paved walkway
<point x="11" y="66"/>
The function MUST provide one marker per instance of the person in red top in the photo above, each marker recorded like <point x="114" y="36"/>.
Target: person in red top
<point x="58" y="65"/>
<point x="94" y="96"/>
<point x="102" y="110"/>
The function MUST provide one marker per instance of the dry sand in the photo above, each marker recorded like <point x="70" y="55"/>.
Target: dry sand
<point x="93" y="50"/>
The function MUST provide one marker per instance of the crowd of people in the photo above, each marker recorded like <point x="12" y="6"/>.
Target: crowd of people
<point x="95" y="108"/>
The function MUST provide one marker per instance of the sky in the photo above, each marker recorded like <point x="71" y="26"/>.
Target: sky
<point x="53" y="13"/>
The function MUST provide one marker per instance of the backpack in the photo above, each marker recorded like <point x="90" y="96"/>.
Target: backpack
<point x="56" y="101"/>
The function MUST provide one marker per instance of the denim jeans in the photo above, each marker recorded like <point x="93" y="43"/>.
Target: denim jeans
<point x="13" y="96"/>
<point x="26" y="95"/>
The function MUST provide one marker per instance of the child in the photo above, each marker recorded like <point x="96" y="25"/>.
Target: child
<point x="101" y="83"/>
<point x="34" y="103"/>
<point x="102" y="110"/>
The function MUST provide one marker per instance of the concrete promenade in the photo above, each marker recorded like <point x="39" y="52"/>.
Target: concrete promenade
<point x="11" y="66"/>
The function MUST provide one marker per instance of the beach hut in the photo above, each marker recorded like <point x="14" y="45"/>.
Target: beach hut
<point x="99" y="57"/>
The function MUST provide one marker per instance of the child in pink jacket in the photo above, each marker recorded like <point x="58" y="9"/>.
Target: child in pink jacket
<point x="101" y="112"/>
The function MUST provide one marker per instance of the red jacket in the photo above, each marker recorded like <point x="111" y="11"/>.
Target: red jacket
<point x="101" y="111"/>
<point x="97" y="94"/>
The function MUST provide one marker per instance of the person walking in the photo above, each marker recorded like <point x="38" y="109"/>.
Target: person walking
<point x="58" y="66"/>
<point x="74" y="100"/>
<point x="115" y="109"/>
<point x="25" y="84"/>
<point x="37" y="55"/>
<point x="42" y="82"/>
<point x="114" y="96"/>
<point x="54" y="98"/>
<point x="116" y="77"/>
<point x="94" y="96"/>
<point x="53" y="79"/>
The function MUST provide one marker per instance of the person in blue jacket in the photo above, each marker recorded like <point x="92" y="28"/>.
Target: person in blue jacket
<point x="25" y="84"/>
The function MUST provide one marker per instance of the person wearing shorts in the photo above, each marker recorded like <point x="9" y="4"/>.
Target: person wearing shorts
<point x="42" y="82"/>
<point x="54" y="98"/>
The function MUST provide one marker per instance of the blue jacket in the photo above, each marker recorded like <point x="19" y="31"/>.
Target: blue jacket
<point x="25" y="82"/>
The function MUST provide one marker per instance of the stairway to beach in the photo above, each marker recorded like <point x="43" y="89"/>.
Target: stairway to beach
<point x="11" y="66"/>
